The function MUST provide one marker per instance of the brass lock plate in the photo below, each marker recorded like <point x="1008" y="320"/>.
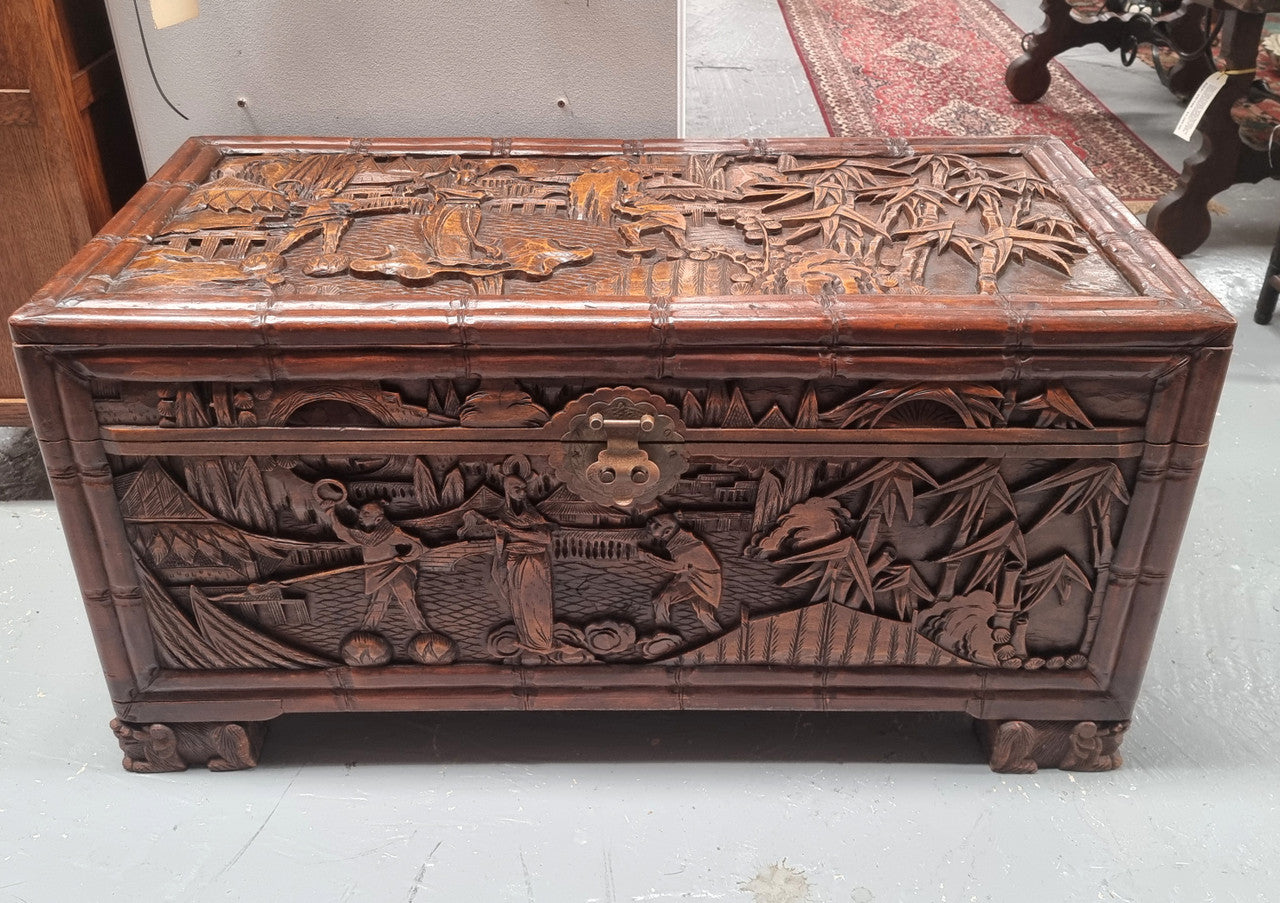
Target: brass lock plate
<point x="621" y="446"/>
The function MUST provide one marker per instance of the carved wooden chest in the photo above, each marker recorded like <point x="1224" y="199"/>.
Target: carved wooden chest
<point x="420" y="425"/>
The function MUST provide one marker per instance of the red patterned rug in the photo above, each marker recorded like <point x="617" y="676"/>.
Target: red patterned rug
<point x="924" y="67"/>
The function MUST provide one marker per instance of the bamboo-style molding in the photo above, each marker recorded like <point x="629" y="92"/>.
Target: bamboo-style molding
<point x="976" y="443"/>
<point x="40" y="380"/>
<point x="267" y="694"/>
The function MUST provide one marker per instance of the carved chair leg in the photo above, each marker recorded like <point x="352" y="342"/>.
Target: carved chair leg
<point x="220" y="746"/>
<point x="1023" y="747"/>
<point x="1181" y="219"/>
<point x="1270" y="287"/>
<point x="1186" y="30"/>
<point x="1027" y="77"/>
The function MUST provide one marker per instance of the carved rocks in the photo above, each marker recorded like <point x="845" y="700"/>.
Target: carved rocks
<point x="390" y="425"/>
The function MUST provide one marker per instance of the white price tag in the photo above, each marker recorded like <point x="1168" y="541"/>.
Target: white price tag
<point x="1194" y="112"/>
<point x="171" y="12"/>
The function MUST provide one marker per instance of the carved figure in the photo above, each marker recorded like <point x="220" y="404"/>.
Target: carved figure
<point x="647" y="215"/>
<point x="389" y="555"/>
<point x="154" y="748"/>
<point x="450" y="230"/>
<point x="1022" y="747"/>
<point x="521" y="563"/>
<point x="697" y="580"/>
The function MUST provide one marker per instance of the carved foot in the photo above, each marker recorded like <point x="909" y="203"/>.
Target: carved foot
<point x="1181" y="219"/>
<point x="221" y="746"/>
<point x="1267" y="299"/>
<point x="1027" y="77"/>
<point x="1270" y="287"/>
<point x="1022" y="747"/>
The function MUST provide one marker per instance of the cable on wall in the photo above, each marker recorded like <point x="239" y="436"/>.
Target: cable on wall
<point x="146" y="51"/>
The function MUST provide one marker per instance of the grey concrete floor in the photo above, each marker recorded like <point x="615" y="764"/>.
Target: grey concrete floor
<point x="772" y="808"/>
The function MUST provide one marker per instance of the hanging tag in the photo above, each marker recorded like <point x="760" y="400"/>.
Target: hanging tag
<point x="171" y="12"/>
<point x="1195" y="110"/>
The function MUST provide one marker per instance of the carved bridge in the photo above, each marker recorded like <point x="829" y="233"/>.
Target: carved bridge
<point x="567" y="544"/>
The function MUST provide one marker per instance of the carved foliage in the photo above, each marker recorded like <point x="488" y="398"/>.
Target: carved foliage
<point x="982" y="596"/>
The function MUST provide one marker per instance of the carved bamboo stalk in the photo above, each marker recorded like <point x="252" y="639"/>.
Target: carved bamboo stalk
<point x="1102" y="576"/>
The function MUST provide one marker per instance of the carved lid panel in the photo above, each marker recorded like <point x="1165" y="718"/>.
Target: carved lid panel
<point x="695" y="232"/>
<point x="642" y="224"/>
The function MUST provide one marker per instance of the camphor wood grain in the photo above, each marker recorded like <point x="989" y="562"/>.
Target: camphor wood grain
<point x="524" y="424"/>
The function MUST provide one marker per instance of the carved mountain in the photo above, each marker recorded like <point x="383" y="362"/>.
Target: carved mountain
<point x="738" y="416"/>
<point x="150" y="494"/>
<point x="691" y="410"/>
<point x="774" y="420"/>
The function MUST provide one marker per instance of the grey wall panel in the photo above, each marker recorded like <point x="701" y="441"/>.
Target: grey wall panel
<point x="406" y="68"/>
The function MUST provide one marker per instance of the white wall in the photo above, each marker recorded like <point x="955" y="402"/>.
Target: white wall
<point x="406" y="68"/>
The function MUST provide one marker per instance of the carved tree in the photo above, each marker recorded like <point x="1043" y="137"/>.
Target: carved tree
<point x="1094" y="488"/>
<point x="891" y="491"/>
<point x="970" y="497"/>
<point x="852" y="569"/>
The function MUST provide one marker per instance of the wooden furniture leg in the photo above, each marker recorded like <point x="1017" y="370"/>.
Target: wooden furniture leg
<point x="1027" y="77"/>
<point x="1023" y="747"/>
<point x="154" y="748"/>
<point x="1181" y="218"/>
<point x="1187" y="32"/>
<point x="1270" y="287"/>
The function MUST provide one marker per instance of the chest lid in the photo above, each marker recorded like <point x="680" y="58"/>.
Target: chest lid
<point x="486" y="250"/>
